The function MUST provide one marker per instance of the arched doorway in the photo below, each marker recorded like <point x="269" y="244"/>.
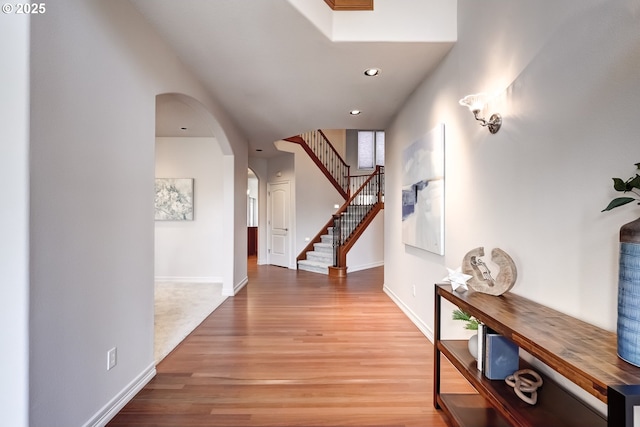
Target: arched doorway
<point x="252" y="214"/>
<point x="189" y="263"/>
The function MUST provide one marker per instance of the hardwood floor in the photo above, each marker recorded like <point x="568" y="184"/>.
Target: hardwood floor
<point x="295" y="348"/>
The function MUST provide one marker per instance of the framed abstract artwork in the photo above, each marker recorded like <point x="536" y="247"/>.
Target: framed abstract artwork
<point x="174" y="199"/>
<point x="423" y="192"/>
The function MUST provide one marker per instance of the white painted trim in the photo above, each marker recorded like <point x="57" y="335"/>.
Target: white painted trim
<point x="365" y="266"/>
<point x="237" y="288"/>
<point x="188" y="279"/>
<point x="111" y="409"/>
<point x="410" y="314"/>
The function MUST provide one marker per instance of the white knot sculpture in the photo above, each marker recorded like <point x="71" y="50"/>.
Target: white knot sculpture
<point x="522" y="385"/>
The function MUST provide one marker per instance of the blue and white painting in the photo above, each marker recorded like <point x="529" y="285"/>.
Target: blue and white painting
<point x="423" y="192"/>
<point x="174" y="199"/>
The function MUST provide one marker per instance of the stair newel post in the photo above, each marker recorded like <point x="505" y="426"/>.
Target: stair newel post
<point x="336" y="238"/>
<point x="339" y="268"/>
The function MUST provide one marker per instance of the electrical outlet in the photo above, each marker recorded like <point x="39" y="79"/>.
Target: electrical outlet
<point x="112" y="358"/>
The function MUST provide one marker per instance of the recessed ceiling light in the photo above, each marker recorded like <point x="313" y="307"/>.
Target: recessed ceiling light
<point x="371" y="72"/>
<point x="355" y="112"/>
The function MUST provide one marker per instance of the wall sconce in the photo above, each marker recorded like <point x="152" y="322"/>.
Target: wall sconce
<point x="475" y="103"/>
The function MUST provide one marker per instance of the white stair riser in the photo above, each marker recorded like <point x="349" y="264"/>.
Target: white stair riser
<point x="323" y="247"/>
<point x="312" y="268"/>
<point x="320" y="256"/>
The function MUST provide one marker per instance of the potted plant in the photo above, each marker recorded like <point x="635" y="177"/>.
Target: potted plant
<point x="629" y="272"/>
<point x="471" y="323"/>
<point x="631" y="185"/>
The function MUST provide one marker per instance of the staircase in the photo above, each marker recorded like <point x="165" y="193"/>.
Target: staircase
<point x="322" y="257"/>
<point x="327" y="252"/>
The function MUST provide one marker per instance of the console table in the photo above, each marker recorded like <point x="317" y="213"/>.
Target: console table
<point x="582" y="353"/>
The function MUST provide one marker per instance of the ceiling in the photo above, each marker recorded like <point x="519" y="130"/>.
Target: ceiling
<point x="277" y="74"/>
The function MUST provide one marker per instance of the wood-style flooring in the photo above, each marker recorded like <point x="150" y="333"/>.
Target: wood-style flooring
<point x="295" y="348"/>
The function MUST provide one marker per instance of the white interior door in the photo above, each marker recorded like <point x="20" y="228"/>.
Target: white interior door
<point x="279" y="224"/>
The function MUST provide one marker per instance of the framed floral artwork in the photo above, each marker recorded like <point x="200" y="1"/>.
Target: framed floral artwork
<point x="174" y="199"/>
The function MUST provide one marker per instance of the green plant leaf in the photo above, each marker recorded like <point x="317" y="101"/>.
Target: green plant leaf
<point x="619" y="185"/>
<point x="461" y="315"/>
<point x="638" y="165"/>
<point x="471" y="322"/>
<point x="472" y="325"/>
<point x="619" y="201"/>
<point x="635" y="182"/>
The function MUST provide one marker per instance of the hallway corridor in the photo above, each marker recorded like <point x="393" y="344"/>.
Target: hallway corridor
<point x="295" y="348"/>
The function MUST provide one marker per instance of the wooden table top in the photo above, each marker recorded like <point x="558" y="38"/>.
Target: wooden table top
<point x="583" y="353"/>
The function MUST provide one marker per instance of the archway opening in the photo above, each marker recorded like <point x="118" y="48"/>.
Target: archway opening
<point x="252" y="214"/>
<point x="190" y="193"/>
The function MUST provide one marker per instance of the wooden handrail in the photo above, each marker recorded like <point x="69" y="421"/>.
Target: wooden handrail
<point x="373" y="175"/>
<point x="337" y="155"/>
<point x="338" y="182"/>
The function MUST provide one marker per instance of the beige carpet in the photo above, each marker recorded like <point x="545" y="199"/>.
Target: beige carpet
<point x="179" y="309"/>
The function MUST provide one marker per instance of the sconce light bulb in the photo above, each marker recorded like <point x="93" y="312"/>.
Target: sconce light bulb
<point x="475" y="103"/>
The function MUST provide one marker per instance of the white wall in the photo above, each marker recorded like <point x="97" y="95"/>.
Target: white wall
<point x="337" y="138"/>
<point x="235" y="258"/>
<point x="14" y="219"/>
<point x="398" y="20"/>
<point x="568" y="86"/>
<point x="191" y="251"/>
<point x="368" y="251"/>
<point x="316" y="198"/>
<point x="351" y="151"/>
<point x="96" y="68"/>
<point x="391" y="20"/>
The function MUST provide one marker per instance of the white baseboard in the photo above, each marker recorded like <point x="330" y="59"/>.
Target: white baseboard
<point x="410" y="314"/>
<point x="189" y="279"/>
<point x="365" y="266"/>
<point x="238" y="287"/>
<point x="111" y="409"/>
